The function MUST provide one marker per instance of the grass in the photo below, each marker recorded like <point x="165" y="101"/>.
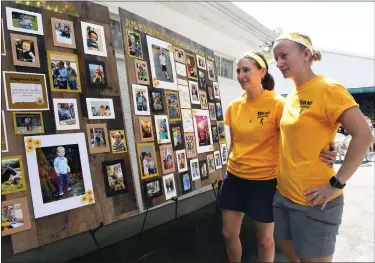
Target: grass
<point x="32" y="18"/>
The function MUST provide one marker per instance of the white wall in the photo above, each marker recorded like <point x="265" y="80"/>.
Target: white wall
<point x="350" y="70"/>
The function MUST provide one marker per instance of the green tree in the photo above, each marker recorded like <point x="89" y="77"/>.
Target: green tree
<point x="267" y="50"/>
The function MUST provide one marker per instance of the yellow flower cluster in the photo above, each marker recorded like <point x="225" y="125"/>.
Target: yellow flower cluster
<point x="31" y="144"/>
<point x="88" y="197"/>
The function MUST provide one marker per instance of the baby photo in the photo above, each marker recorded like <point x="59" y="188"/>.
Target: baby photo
<point x="157" y="100"/>
<point x="181" y="161"/>
<point x="148" y="162"/>
<point x="167" y="159"/>
<point x="194" y="169"/>
<point x="146" y="131"/>
<point x="194" y="93"/>
<point x="25" y="51"/>
<point x="141" y="71"/>
<point x="203" y="169"/>
<point x="24" y="21"/>
<point x="216" y="90"/>
<point x="201" y="62"/>
<point x="100" y="108"/>
<point x="186" y="183"/>
<point x="93" y="39"/>
<point x="28" y="123"/>
<point x="15" y="216"/>
<point x="219" y="112"/>
<point x="134" y="44"/>
<point x="191" y="149"/>
<point x="221" y="130"/>
<point x="224" y="153"/>
<point x="118" y="143"/>
<point x="211" y="94"/>
<point x="12" y="175"/>
<point x="203" y="99"/>
<point x="215" y="133"/>
<point x="217" y="158"/>
<point x="173" y="106"/>
<point x="97" y="75"/>
<point x="210" y="163"/>
<point x="114" y="177"/>
<point x="211" y="70"/>
<point x="212" y="110"/>
<point x="162" y="129"/>
<point x="98" y="138"/>
<point x="179" y="55"/>
<point x="63" y="33"/>
<point x="202" y="80"/>
<point x="66" y="114"/>
<point x="140" y="98"/>
<point x="169" y="186"/>
<point x="178" y="139"/>
<point x="191" y="66"/>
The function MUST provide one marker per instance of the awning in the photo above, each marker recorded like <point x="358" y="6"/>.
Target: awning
<point x="362" y="90"/>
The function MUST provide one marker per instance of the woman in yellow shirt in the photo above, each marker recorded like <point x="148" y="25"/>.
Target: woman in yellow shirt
<point x="308" y="204"/>
<point x="250" y="183"/>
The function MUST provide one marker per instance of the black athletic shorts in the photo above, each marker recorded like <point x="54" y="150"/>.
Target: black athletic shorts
<point x="254" y="198"/>
<point x="163" y="68"/>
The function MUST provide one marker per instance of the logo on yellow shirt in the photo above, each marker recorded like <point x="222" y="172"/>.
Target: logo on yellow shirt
<point x="262" y="115"/>
<point x="304" y="104"/>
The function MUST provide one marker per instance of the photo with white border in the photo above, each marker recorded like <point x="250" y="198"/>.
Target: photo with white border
<point x="202" y="130"/>
<point x="25" y="23"/>
<point x="97" y="104"/>
<point x="66" y="118"/>
<point x="169" y="186"/>
<point x="99" y="48"/>
<point x="194" y="169"/>
<point x="140" y="94"/>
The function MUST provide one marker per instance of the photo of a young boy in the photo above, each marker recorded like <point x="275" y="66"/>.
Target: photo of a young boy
<point x="62" y="170"/>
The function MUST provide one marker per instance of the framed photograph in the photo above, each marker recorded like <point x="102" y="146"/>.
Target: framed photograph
<point x="185" y="183"/>
<point x="173" y="105"/>
<point x="191" y="149"/>
<point x="118" y="142"/>
<point x="157" y="101"/>
<point x="25" y="91"/>
<point x="202" y="80"/>
<point x="178" y="138"/>
<point x="100" y="109"/>
<point x="66" y="114"/>
<point x="182" y="164"/>
<point x="211" y="70"/>
<point x="4" y="137"/>
<point x="191" y="66"/>
<point x="179" y="54"/>
<point x="141" y="72"/>
<point x="202" y="130"/>
<point x="96" y="74"/>
<point x="140" y="99"/>
<point x="184" y="97"/>
<point x="162" y="63"/>
<point x="203" y="169"/>
<point x="134" y="44"/>
<point x="187" y="120"/>
<point x="15" y="216"/>
<point x="203" y="99"/>
<point x="145" y="129"/>
<point x="25" y="51"/>
<point x="162" y="129"/>
<point x="169" y="186"/>
<point x="167" y="159"/>
<point x="219" y="112"/>
<point x="59" y="171"/>
<point x="210" y="163"/>
<point x="224" y="153"/>
<point x="63" y="33"/>
<point x="194" y="93"/>
<point x="24" y="21"/>
<point x="216" y="90"/>
<point x="211" y="94"/>
<point x="182" y="82"/>
<point x="114" y="177"/>
<point x="201" y="62"/>
<point x="152" y="188"/>
<point x="148" y="163"/>
<point x="194" y="169"/>
<point x="26" y="123"/>
<point x="221" y="130"/>
<point x="63" y="72"/>
<point x="215" y="133"/>
<point x="218" y="162"/>
<point x="212" y="110"/>
<point x="181" y="70"/>
<point x="97" y="138"/>
<point x="3" y="48"/>
<point x="93" y="39"/>
<point x="12" y="175"/>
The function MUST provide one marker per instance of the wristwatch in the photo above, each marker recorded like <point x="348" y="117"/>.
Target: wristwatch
<point x="336" y="183"/>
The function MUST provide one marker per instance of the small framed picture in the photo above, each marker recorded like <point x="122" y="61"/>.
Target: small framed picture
<point x="114" y="177"/>
<point x="25" y="51"/>
<point x="211" y="70"/>
<point x="216" y="90"/>
<point x="194" y="92"/>
<point x="202" y="131"/>
<point x="212" y="110"/>
<point x="184" y="97"/>
<point x="15" y="216"/>
<point x="202" y="80"/>
<point x="93" y="39"/>
<point x="194" y="169"/>
<point x="219" y="112"/>
<point x="182" y="164"/>
<point x="118" y="142"/>
<point x="191" y="149"/>
<point x="157" y="101"/>
<point x="24" y="21"/>
<point x="191" y="66"/>
<point x="96" y="74"/>
<point x="63" y="33"/>
<point x="66" y="114"/>
<point x="186" y="183"/>
<point x="180" y="70"/>
<point x="203" y="99"/>
<point x="141" y="72"/>
<point x="218" y="162"/>
<point x="63" y="71"/>
<point x="145" y="129"/>
<point x="3" y="48"/>
<point x="147" y="160"/>
<point x="179" y="54"/>
<point x="4" y="137"/>
<point x="162" y="129"/>
<point x="134" y="44"/>
<point x="97" y="138"/>
<point x="221" y="130"/>
<point x="140" y="99"/>
<point x="167" y="159"/>
<point x="201" y="62"/>
<point x="211" y="94"/>
<point x="215" y="133"/>
<point x="187" y="120"/>
<point x="210" y="163"/>
<point x="169" y="186"/>
<point x="224" y="153"/>
<point x="203" y="169"/>
<point x="152" y="188"/>
<point x="12" y="175"/>
<point x="178" y="138"/>
<point x="100" y="109"/>
<point x="28" y="123"/>
<point x="173" y="105"/>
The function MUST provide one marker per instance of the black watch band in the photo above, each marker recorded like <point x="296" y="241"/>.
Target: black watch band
<point x="336" y="183"/>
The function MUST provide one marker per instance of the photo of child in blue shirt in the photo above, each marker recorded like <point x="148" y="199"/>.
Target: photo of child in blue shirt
<point x="62" y="170"/>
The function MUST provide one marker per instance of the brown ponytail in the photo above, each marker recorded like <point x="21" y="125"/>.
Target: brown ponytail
<point x="268" y="82"/>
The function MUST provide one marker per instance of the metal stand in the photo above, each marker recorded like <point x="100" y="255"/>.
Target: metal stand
<point x="92" y="233"/>
<point x="216" y="194"/>
<point x="175" y="199"/>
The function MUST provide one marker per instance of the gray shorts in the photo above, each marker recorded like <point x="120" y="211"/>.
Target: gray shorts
<point x="312" y="231"/>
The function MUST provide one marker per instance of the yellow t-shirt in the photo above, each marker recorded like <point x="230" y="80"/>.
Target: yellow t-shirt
<point x="307" y="126"/>
<point x="255" y="130"/>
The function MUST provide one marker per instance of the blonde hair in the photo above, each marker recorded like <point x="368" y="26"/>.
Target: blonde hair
<point x="316" y="55"/>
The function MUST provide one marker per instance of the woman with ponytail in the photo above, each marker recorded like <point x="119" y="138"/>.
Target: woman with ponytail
<point x="250" y="182"/>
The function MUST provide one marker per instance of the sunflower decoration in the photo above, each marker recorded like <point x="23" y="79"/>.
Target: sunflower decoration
<point x="30" y="148"/>
<point x="90" y="199"/>
<point x="155" y="82"/>
<point x="84" y="199"/>
<point x="29" y="141"/>
<point x="89" y="192"/>
<point x="37" y="143"/>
